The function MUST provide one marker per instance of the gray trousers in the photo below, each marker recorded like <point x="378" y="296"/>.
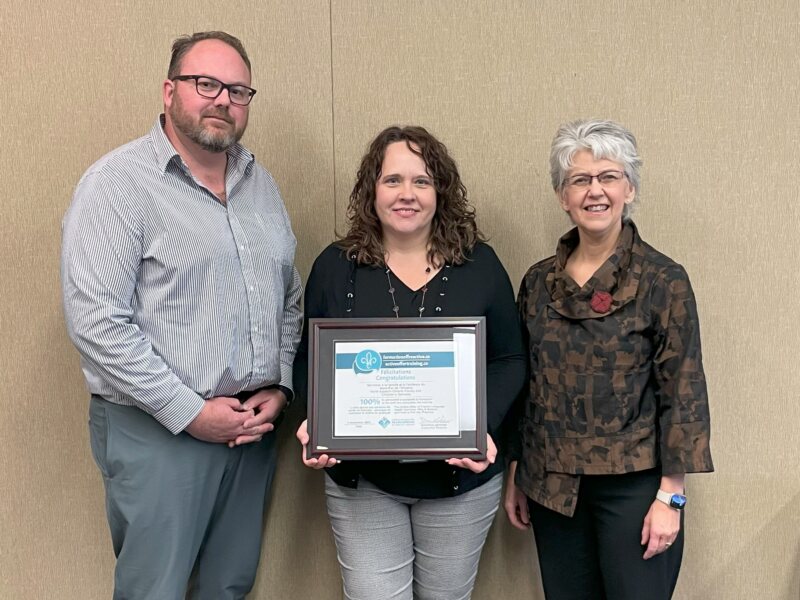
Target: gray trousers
<point x="185" y="515"/>
<point x="397" y="548"/>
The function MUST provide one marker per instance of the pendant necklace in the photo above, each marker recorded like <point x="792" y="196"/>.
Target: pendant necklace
<point x="396" y="308"/>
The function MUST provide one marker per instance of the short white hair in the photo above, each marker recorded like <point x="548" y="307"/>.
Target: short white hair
<point x="605" y="139"/>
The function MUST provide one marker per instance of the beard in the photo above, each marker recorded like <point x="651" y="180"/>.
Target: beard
<point x="208" y="138"/>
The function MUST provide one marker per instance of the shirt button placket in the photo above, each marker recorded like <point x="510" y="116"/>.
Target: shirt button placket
<point x="248" y="274"/>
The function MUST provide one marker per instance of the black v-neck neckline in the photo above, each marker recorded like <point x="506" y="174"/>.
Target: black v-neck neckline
<point x="397" y="278"/>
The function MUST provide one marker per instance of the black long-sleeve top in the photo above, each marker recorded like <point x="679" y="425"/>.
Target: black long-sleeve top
<point x="479" y="287"/>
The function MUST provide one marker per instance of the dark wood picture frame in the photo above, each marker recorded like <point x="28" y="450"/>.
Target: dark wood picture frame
<point x="323" y="336"/>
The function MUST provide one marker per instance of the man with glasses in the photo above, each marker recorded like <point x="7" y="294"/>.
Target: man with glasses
<point x="181" y="296"/>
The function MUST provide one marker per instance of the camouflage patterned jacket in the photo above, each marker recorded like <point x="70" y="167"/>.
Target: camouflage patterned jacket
<point x="617" y="381"/>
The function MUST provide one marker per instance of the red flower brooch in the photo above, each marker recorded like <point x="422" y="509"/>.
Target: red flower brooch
<point x="600" y="302"/>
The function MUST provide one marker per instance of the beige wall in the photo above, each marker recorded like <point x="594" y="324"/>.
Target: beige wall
<point x="709" y="88"/>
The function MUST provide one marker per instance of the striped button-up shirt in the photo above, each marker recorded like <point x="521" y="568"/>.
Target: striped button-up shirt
<point x="170" y="296"/>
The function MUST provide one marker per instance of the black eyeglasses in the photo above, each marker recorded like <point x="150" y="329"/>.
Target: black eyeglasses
<point x="208" y="87"/>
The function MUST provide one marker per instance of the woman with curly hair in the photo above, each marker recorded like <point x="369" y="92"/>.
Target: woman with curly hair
<point x="413" y="249"/>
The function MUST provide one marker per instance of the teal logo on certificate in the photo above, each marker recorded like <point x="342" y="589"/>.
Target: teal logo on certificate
<point x="367" y="361"/>
<point x="396" y="388"/>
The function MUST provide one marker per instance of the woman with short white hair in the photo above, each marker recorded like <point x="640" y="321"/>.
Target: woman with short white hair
<point x="617" y="409"/>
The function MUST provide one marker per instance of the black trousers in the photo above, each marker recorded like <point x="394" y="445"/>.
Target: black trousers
<point x="596" y="554"/>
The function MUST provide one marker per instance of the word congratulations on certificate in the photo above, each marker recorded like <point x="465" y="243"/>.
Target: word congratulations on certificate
<point x="398" y="388"/>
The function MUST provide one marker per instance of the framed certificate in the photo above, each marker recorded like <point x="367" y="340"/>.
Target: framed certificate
<point x="397" y="389"/>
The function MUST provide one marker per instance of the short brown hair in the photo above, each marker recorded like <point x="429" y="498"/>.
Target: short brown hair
<point x="454" y="232"/>
<point x="182" y="45"/>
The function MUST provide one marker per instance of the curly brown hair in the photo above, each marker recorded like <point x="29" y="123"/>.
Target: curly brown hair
<point x="454" y="232"/>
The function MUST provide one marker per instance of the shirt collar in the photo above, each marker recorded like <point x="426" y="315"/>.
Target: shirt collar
<point x="239" y="157"/>
<point x="618" y="276"/>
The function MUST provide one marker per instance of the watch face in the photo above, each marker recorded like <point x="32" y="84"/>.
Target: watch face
<point x="677" y="501"/>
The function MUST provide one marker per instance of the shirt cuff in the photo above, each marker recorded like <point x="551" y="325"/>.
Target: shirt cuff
<point x="286" y="380"/>
<point x="178" y="413"/>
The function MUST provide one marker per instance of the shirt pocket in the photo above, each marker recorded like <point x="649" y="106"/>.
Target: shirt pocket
<point x="275" y="238"/>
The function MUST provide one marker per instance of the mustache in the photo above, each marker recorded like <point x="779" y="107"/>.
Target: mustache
<point x="219" y="114"/>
